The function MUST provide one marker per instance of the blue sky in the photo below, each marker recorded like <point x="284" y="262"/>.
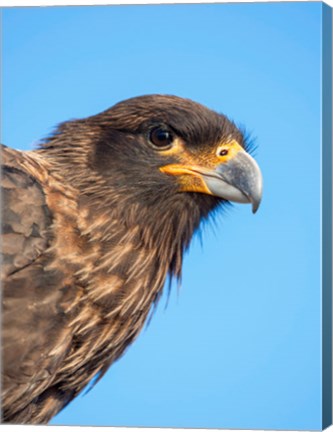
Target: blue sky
<point x="239" y="345"/>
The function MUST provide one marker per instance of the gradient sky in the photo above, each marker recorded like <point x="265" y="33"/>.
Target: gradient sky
<point x="239" y="345"/>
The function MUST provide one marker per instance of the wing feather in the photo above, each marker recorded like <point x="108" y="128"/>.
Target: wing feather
<point x="25" y="220"/>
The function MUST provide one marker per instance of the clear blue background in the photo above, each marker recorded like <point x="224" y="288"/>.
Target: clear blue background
<point x="239" y="345"/>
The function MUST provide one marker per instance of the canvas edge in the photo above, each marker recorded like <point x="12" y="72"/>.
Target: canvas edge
<point x="326" y="215"/>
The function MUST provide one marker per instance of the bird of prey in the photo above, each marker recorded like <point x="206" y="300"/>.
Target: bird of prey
<point x="94" y="221"/>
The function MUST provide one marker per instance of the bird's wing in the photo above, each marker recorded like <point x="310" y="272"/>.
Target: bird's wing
<point x="32" y="322"/>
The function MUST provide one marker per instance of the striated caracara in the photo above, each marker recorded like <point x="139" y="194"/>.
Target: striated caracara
<point x="93" y="223"/>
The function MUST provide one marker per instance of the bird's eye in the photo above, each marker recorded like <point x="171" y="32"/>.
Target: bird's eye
<point x="160" y="138"/>
<point x="223" y="152"/>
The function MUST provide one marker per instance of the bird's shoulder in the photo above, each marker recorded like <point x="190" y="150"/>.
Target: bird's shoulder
<point x="39" y="209"/>
<point x="25" y="214"/>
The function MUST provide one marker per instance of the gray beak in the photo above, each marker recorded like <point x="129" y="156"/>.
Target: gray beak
<point x="238" y="180"/>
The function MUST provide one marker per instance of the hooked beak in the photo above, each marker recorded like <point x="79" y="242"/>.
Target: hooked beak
<point x="238" y="179"/>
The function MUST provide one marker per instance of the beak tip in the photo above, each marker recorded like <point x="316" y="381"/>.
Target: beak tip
<point x="255" y="205"/>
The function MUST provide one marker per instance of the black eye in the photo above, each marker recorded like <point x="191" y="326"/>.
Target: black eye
<point x="160" y="137"/>
<point x="223" y="152"/>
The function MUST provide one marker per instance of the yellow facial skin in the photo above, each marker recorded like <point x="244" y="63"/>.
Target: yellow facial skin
<point x="191" y="167"/>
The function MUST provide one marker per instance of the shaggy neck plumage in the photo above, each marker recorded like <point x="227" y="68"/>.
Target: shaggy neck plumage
<point x="163" y="219"/>
<point x="163" y="227"/>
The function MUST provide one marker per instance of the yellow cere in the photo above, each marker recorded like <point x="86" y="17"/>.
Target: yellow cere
<point x="228" y="151"/>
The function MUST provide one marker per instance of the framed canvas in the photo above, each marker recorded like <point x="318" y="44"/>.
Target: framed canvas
<point x="243" y="339"/>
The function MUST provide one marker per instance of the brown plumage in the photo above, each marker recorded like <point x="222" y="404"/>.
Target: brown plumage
<point x="93" y="222"/>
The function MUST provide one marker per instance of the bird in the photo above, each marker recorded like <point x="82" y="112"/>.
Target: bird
<point x="95" y="220"/>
